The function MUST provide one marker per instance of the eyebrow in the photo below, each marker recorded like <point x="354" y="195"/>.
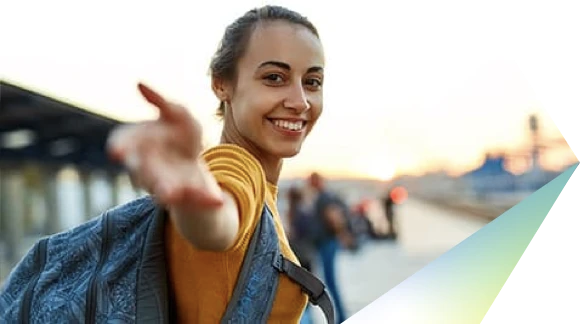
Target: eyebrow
<point x="286" y="66"/>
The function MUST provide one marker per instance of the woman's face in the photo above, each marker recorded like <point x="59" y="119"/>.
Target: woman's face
<point x="277" y="96"/>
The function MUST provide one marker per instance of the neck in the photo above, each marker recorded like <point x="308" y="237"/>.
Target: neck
<point x="272" y="166"/>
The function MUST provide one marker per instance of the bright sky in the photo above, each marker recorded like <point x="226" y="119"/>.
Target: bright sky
<point x="408" y="87"/>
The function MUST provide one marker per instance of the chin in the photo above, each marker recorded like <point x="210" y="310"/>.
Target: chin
<point x="285" y="151"/>
<point x="290" y="154"/>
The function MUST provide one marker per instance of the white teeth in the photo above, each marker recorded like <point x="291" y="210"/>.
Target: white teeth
<point x="289" y="125"/>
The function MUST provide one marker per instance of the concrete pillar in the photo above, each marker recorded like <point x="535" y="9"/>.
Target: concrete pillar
<point x="113" y="179"/>
<point x="11" y="209"/>
<point x="3" y="217"/>
<point x="50" y="189"/>
<point x="33" y="213"/>
<point x="86" y="185"/>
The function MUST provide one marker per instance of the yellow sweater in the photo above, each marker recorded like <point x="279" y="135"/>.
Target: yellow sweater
<point x="203" y="281"/>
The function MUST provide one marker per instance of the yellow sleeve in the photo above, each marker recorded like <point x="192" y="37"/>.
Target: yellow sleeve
<point x="239" y="173"/>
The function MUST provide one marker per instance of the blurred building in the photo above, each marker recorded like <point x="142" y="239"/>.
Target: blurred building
<point x="53" y="168"/>
<point x="490" y="178"/>
<point x="493" y="178"/>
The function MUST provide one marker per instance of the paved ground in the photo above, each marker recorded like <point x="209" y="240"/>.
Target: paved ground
<point x="426" y="232"/>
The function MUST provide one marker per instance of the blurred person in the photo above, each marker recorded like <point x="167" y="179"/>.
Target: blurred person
<point x="199" y="248"/>
<point x="389" y="203"/>
<point x="299" y="236"/>
<point x="361" y="210"/>
<point x="393" y="197"/>
<point x="299" y="228"/>
<point x="374" y="215"/>
<point x="331" y="231"/>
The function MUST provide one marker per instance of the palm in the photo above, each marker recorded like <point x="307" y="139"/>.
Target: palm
<point x="162" y="155"/>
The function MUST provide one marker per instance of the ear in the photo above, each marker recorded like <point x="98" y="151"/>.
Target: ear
<point x="220" y="89"/>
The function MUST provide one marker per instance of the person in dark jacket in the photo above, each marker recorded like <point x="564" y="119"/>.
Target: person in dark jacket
<point x="300" y="237"/>
<point x="389" y="204"/>
<point x="394" y="196"/>
<point x="299" y="232"/>
<point x="331" y="232"/>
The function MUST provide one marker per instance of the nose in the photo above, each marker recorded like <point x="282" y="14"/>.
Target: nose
<point x="297" y="99"/>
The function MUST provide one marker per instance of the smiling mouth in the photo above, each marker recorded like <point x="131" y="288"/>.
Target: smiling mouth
<point x="293" y="126"/>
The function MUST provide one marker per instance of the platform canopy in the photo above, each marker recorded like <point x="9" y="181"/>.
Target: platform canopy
<point x="37" y="128"/>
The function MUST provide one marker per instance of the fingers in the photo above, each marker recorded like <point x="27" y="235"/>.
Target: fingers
<point x="116" y="147"/>
<point x="167" y="110"/>
<point x="123" y="138"/>
<point x="170" y="187"/>
<point x="174" y="114"/>
<point x="164" y="174"/>
<point x="180" y="183"/>
<point x="173" y="191"/>
<point x="161" y="154"/>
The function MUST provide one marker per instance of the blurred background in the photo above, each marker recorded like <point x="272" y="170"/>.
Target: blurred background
<point x="429" y="123"/>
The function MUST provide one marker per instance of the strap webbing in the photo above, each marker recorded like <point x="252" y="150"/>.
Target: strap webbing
<point x="310" y="284"/>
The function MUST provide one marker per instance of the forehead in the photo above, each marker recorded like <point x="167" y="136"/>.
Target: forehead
<point x="285" y="42"/>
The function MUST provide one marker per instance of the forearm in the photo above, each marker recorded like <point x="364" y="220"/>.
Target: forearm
<point x="233" y="172"/>
<point x="212" y="228"/>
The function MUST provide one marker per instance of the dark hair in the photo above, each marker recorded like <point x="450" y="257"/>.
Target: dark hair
<point x="294" y="195"/>
<point x="294" y="200"/>
<point x="235" y="40"/>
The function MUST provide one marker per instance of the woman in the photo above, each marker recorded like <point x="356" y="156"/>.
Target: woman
<point x="267" y="74"/>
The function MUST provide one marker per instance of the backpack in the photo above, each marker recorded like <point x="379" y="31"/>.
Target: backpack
<point x="112" y="269"/>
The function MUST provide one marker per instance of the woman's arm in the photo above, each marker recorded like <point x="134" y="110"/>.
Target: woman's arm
<point x="205" y="195"/>
<point x="208" y="228"/>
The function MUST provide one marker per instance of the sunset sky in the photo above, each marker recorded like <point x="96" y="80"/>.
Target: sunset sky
<point x="408" y="88"/>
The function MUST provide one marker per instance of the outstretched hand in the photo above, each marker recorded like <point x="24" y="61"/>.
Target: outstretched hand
<point x="163" y="155"/>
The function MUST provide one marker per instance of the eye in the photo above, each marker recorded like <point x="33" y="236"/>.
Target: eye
<point x="315" y="83"/>
<point x="274" y="78"/>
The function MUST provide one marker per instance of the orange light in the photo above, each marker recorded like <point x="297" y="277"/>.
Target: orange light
<point x="399" y="194"/>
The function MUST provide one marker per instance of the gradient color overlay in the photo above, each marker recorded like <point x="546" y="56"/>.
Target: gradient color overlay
<point x="461" y="285"/>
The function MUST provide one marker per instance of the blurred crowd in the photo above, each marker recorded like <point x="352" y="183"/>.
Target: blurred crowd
<point x="320" y="223"/>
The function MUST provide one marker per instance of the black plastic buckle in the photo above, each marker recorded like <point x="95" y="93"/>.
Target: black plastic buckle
<point x="278" y="263"/>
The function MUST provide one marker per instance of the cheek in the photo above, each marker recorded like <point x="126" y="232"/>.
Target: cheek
<point x="316" y="110"/>
<point x="249" y="115"/>
<point x="258" y="107"/>
<point x="257" y="100"/>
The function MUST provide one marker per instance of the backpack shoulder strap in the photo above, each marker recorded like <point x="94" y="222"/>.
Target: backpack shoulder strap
<point x="309" y="283"/>
<point x="257" y="283"/>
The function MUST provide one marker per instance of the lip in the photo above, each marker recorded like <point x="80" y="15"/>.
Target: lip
<point x="290" y="119"/>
